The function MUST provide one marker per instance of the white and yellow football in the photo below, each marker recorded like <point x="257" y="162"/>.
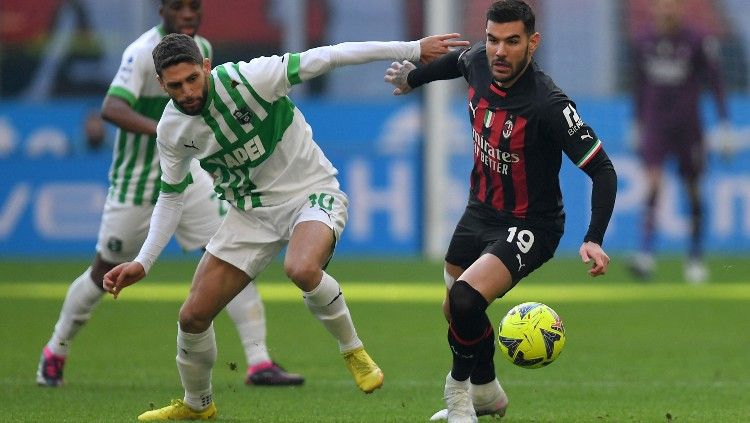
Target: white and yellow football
<point x="531" y="335"/>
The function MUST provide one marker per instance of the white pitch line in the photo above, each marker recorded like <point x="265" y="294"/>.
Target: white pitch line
<point x="279" y="291"/>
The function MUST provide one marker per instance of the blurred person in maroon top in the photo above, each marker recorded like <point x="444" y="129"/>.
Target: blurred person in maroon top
<point x="673" y="63"/>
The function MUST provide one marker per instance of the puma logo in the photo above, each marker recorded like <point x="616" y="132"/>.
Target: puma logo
<point x="587" y="135"/>
<point x="326" y="212"/>
<point x="473" y="109"/>
<point x="468" y="356"/>
<point x="520" y="264"/>
<point x="191" y="145"/>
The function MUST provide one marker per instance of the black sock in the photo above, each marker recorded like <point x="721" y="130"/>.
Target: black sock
<point x="469" y="328"/>
<point x="484" y="368"/>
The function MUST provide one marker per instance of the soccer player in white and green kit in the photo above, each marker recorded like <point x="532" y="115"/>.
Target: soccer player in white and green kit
<point x="135" y="102"/>
<point x="238" y="121"/>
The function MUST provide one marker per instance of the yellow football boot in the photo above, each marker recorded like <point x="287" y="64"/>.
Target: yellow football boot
<point x="178" y="410"/>
<point x="366" y="373"/>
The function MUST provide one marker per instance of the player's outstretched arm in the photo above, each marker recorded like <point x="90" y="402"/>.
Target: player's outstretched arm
<point x="435" y="46"/>
<point x="593" y="253"/>
<point x="319" y="60"/>
<point x="123" y="275"/>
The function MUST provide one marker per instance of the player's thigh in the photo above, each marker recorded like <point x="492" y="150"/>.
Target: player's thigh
<point x="215" y="283"/>
<point x="201" y="214"/>
<point x="465" y="245"/>
<point x="248" y="240"/>
<point x="521" y="247"/>
<point x="122" y="231"/>
<point x="318" y="222"/>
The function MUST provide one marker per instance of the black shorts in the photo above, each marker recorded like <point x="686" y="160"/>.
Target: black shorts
<point x="521" y="245"/>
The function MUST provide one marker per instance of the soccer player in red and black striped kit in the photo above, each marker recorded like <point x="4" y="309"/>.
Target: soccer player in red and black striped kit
<point x="521" y="124"/>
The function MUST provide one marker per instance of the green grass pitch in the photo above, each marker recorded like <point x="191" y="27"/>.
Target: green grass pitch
<point x="657" y="352"/>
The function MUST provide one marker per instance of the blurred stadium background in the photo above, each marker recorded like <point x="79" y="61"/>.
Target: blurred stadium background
<point x="57" y="58"/>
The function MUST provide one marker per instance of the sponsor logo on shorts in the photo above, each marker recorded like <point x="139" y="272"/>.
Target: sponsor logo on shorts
<point x="114" y="245"/>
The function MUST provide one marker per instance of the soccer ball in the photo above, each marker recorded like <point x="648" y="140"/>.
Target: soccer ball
<point x="531" y="335"/>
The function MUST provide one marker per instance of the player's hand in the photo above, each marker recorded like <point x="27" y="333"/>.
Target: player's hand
<point x="435" y="46"/>
<point x="725" y="140"/>
<point x="591" y="251"/>
<point x="396" y="75"/>
<point x="123" y="275"/>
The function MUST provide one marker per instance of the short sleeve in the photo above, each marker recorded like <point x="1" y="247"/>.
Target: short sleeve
<point x="129" y="80"/>
<point x="174" y="159"/>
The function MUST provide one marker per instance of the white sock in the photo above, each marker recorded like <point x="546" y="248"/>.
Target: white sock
<point x="82" y="297"/>
<point x="196" y="354"/>
<point x="327" y="303"/>
<point x="246" y="310"/>
<point x="449" y="280"/>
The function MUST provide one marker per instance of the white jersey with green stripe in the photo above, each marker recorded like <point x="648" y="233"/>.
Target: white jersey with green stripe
<point x="135" y="173"/>
<point x="249" y="136"/>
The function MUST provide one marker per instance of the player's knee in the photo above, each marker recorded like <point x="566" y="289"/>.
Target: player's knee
<point x="303" y="273"/>
<point x="192" y="321"/>
<point x="465" y="301"/>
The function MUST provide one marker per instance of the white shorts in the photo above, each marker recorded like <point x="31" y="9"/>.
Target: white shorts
<point x="250" y="239"/>
<point x="124" y="227"/>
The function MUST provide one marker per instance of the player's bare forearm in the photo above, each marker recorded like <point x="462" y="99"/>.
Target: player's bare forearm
<point x="593" y="253"/>
<point x="123" y="275"/>
<point x="118" y="112"/>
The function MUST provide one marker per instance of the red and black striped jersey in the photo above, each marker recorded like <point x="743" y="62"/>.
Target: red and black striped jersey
<point x="519" y="135"/>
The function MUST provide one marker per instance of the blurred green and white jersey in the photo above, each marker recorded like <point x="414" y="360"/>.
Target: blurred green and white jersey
<point x="135" y="173"/>
<point x="250" y="137"/>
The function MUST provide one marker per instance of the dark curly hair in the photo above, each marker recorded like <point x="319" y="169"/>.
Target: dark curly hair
<point x="174" y="49"/>
<point x="503" y="11"/>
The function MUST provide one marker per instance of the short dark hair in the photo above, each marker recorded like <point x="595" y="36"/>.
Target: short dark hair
<point x="174" y="49"/>
<point x="503" y="11"/>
